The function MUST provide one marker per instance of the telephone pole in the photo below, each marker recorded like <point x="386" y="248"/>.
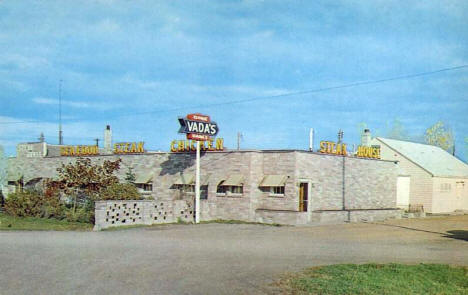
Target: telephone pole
<point x="60" y="113"/>
<point x="239" y="137"/>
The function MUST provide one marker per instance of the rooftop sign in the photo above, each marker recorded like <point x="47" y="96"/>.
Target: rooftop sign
<point x="330" y="147"/>
<point x="198" y="127"/>
<point x="368" y="152"/>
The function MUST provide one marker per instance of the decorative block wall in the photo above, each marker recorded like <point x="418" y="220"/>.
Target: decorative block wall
<point x="119" y="213"/>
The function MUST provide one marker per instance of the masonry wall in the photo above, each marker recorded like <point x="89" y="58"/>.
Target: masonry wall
<point x="368" y="184"/>
<point x="278" y="163"/>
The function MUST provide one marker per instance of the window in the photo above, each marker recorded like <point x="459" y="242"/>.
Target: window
<point x="236" y="189"/>
<point x="221" y="189"/>
<point x="445" y="187"/>
<point x="274" y="184"/>
<point x="277" y="190"/>
<point x="229" y="190"/>
<point x="189" y="189"/>
<point x="145" y="187"/>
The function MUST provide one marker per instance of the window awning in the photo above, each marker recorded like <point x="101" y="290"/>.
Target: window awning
<point x="14" y="176"/>
<point x="189" y="179"/>
<point x="185" y="179"/>
<point x="273" y="180"/>
<point x="234" y="180"/>
<point x="144" y="178"/>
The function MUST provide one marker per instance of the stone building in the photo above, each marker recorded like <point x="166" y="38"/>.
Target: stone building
<point x="281" y="186"/>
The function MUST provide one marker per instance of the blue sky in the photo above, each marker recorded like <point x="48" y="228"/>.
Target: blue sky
<point x="138" y="65"/>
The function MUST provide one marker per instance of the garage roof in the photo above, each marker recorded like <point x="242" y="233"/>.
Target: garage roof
<point x="431" y="158"/>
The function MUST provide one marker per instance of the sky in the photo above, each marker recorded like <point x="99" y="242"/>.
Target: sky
<point x="270" y="70"/>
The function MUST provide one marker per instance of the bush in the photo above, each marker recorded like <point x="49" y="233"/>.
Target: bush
<point x="81" y="214"/>
<point x="120" y="191"/>
<point x="33" y="204"/>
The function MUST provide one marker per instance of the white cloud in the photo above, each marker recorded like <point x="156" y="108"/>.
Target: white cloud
<point x="23" y="62"/>
<point x="107" y="26"/>
<point x="74" y="104"/>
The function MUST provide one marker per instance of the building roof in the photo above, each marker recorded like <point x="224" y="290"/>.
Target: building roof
<point x="431" y="158"/>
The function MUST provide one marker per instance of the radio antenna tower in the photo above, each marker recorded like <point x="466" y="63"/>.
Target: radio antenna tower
<point x="60" y="113"/>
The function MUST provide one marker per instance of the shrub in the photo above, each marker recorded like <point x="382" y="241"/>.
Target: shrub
<point x="26" y="203"/>
<point x="33" y="204"/>
<point x="120" y="191"/>
<point x="81" y="214"/>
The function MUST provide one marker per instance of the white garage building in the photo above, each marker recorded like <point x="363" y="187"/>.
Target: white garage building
<point x="428" y="176"/>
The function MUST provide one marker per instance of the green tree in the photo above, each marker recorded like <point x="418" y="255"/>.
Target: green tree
<point x="398" y="131"/>
<point x="82" y="181"/>
<point x="440" y="135"/>
<point x="466" y="149"/>
<point x="3" y="173"/>
<point x="120" y="191"/>
<point x="130" y="176"/>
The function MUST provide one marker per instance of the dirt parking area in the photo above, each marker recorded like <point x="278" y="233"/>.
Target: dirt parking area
<point x="213" y="258"/>
<point x="451" y="226"/>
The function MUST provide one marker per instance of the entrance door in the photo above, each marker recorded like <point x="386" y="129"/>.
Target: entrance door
<point x="303" y="196"/>
<point x="403" y="191"/>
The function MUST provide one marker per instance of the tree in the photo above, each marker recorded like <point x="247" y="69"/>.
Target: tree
<point x="397" y="131"/>
<point x="130" y="176"/>
<point x="82" y="181"/>
<point x="466" y="149"/>
<point x="120" y="191"/>
<point x="3" y="173"/>
<point x="441" y="136"/>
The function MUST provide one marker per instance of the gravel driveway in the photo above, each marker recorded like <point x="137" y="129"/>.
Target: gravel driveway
<point x="213" y="258"/>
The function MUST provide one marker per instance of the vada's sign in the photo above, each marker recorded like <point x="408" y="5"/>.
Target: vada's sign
<point x="198" y="127"/>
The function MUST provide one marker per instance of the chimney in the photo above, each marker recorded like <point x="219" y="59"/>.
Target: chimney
<point x="311" y="139"/>
<point x="108" y="140"/>
<point x="366" y="138"/>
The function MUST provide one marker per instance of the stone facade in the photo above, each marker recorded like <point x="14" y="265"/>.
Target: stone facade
<point x="338" y="187"/>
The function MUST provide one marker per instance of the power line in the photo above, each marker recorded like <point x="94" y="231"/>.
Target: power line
<point x="239" y="101"/>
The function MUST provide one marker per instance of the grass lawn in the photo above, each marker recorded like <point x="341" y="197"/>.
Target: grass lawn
<point x="8" y="222"/>
<point x="378" y="279"/>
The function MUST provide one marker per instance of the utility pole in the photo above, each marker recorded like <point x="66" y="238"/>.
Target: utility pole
<point x="60" y="113"/>
<point x="340" y="136"/>
<point x="239" y="137"/>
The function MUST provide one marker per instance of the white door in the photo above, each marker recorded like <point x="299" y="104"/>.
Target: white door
<point x="403" y="190"/>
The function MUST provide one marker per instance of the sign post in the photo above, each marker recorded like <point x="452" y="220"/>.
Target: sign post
<point x="200" y="128"/>
<point x="197" y="186"/>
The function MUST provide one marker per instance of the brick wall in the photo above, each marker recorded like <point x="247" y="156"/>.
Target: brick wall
<point x="369" y="184"/>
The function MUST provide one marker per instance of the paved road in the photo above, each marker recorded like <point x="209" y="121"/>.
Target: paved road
<point x="212" y="258"/>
